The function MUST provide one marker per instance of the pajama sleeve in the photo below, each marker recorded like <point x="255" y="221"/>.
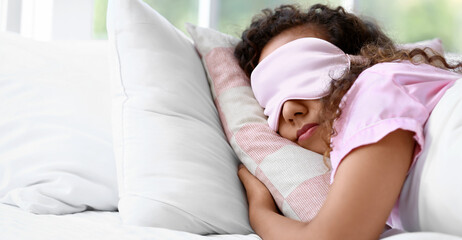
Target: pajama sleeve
<point x="374" y="107"/>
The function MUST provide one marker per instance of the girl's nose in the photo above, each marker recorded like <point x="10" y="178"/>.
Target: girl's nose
<point x="293" y="110"/>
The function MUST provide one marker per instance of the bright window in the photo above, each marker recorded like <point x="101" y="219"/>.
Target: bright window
<point x="416" y="20"/>
<point x="404" y="20"/>
<point x="178" y="12"/>
<point x="99" y="19"/>
<point x="235" y="15"/>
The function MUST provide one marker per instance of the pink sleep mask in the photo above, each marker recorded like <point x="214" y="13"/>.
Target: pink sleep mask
<point x="301" y="69"/>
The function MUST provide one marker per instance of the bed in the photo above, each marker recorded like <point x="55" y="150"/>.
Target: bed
<point x="44" y="86"/>
<point x="18" y="224"/>
<point x="125" y="139"/>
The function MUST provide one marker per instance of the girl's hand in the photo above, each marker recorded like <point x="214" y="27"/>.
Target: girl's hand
<point x="263" y="213"/>
<point x="258" y="195"/>
<point x="366" y="187"/>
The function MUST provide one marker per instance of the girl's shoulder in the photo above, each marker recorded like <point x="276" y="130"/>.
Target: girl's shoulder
<point x="405" y="73"/>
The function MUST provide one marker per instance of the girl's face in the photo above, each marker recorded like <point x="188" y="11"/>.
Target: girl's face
<point x="299" y="119"/>
<point x="299" y="122"/>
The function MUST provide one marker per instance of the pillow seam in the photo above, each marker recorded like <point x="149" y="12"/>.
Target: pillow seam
<point x="122" y="117"/>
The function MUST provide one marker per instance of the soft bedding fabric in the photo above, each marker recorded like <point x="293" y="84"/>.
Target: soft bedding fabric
<point x="16" y="224"/>
<point x="56" y="154"/>
<point x="175" y="168"/>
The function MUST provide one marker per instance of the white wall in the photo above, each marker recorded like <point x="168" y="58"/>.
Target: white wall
<point x="48" y="19"/>
<point x="10" y="22"/>
<point x="72" y="19"/>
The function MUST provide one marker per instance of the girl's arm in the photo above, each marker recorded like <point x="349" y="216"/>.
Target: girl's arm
<point x="367" y="185"/>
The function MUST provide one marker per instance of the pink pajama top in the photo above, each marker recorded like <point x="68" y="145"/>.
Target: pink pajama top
<point x="384" y="98"/>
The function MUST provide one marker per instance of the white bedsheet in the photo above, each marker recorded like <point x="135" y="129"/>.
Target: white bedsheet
<point x="17" y="224"/>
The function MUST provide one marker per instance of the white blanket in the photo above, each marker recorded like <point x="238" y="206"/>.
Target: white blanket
<point x="17" y="224"/>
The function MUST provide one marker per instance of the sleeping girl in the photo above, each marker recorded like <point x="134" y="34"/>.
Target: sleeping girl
<point x="337" y="85"/>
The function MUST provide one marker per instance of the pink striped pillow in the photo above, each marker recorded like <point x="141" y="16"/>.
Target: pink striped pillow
<point x="297" y="178"/>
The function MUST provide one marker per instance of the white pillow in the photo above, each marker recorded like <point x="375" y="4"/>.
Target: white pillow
<point x="175" y="168"/>
<point x="56" y="154"/>
<point x="422" y="236"/>
<point x="431" y="199"/>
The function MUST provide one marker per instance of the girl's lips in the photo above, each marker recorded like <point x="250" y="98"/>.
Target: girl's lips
<point x="306" y="131"/>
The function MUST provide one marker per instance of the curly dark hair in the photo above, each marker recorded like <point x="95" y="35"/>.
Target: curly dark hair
<point x="345" y="30"/>
<point x="350" y="33"/>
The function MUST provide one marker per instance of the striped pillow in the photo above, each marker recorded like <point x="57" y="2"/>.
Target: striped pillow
<point x="296" y="177"/>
